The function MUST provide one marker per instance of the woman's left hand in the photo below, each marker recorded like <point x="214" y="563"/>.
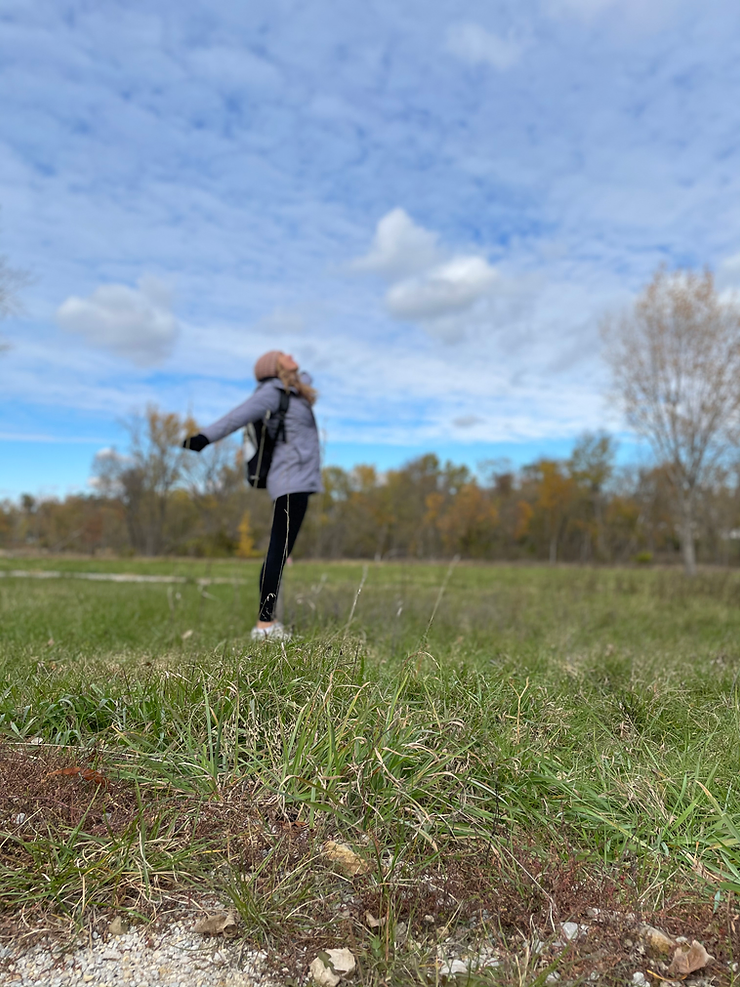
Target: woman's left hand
<point x="196" y="442"/>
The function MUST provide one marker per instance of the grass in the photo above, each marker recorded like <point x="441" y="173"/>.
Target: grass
<point x="557" y="739"/>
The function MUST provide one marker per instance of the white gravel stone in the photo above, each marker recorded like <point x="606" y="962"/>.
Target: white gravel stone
<point x="454" y="967"/>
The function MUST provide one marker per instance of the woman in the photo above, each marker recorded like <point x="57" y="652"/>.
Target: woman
<point x="295" y="471"/>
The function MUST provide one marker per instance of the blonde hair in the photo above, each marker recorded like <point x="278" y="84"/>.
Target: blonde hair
<point x="291" y="379"/>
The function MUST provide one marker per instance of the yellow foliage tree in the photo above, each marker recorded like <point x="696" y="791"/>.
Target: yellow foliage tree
<point x="554" y="500"/>
<point x="469" y="521"/>
<point x="524" y="515"/>
<point x="245" y="548"/>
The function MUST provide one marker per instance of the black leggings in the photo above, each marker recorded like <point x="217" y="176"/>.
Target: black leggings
<point x="287" y="518"/>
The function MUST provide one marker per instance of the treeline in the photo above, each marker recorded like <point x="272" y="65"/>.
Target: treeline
<point x="157" y="499"/>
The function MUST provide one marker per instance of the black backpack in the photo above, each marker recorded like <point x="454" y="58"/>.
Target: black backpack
<point x="264" y="436"/>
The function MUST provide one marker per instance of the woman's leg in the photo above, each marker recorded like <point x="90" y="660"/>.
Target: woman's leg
<point x="287" y="517"/>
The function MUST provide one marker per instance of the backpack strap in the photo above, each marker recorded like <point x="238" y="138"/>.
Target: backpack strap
<point x="280" y="415"/>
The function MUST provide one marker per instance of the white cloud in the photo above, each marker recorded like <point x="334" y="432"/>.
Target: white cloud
<point x="633" y="13"/>
<point x="234" y="67"/>
<point x="474" y="44"/>
<point x="137" y="324"/>
<point x="281" y="322"/>
<point x="445" y="292"/>
<point x="467" y="421"/>
<point x="581" y="8"/>
<point x="448" y="288"/>
<point x="400" y="248"/>
<point x="111" y="454"/>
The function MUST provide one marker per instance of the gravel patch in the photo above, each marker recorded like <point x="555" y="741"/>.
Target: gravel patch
<point x="116" y="577"/>
<point x="172" y="957"/>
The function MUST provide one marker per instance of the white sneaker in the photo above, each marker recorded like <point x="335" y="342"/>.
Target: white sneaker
<point x="275" y="632"/>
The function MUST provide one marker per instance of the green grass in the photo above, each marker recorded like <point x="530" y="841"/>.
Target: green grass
<point x="545" y="716"/>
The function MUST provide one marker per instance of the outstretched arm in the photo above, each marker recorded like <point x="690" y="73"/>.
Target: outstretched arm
<point x="265" y="398"/>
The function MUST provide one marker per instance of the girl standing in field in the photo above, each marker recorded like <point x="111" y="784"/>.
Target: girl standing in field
<point x="295" y="471"/>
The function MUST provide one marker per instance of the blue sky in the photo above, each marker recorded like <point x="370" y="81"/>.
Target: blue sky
<point x="431" y="205"/>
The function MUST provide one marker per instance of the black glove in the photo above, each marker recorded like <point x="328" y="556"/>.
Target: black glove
<point x="196" y="442"/>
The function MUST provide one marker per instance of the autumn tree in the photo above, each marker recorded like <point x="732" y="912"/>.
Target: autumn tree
<point x="245" y="548"/>
<point x="407" y="489"/>
<point x="675" y="362"/>
<point x="469" y="522"/>
<point x="7" y="518"/>
<point x="591" y="465"/>
<point x="326" y="524"/>
<point x="553" y="502"/>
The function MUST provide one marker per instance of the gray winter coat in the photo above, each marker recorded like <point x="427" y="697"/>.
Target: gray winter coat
<point x="296" y="463"/>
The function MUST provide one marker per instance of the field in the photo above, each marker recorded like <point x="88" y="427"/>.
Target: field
<point x="503" y="748"/>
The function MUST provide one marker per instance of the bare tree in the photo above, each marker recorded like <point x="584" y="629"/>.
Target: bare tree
<point x="11" y="281"/>
<point x="675" y="361"/>
<point x="146" y="477"/>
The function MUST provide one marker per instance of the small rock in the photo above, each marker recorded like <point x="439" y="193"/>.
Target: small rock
<point x="488" y="958"/>
<point x="345" y="858"/>
<point x="570" y="930"/>
<point x="658" y="942"/>
<point x="639" y="979"/>
<point x="328" y="968"/>
<point x="117" y="927"/>
<point x="215" y="924"/>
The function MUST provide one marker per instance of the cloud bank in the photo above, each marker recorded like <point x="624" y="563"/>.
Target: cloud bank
<point x="503" y="173"/>
<point x="135" y="323"/>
